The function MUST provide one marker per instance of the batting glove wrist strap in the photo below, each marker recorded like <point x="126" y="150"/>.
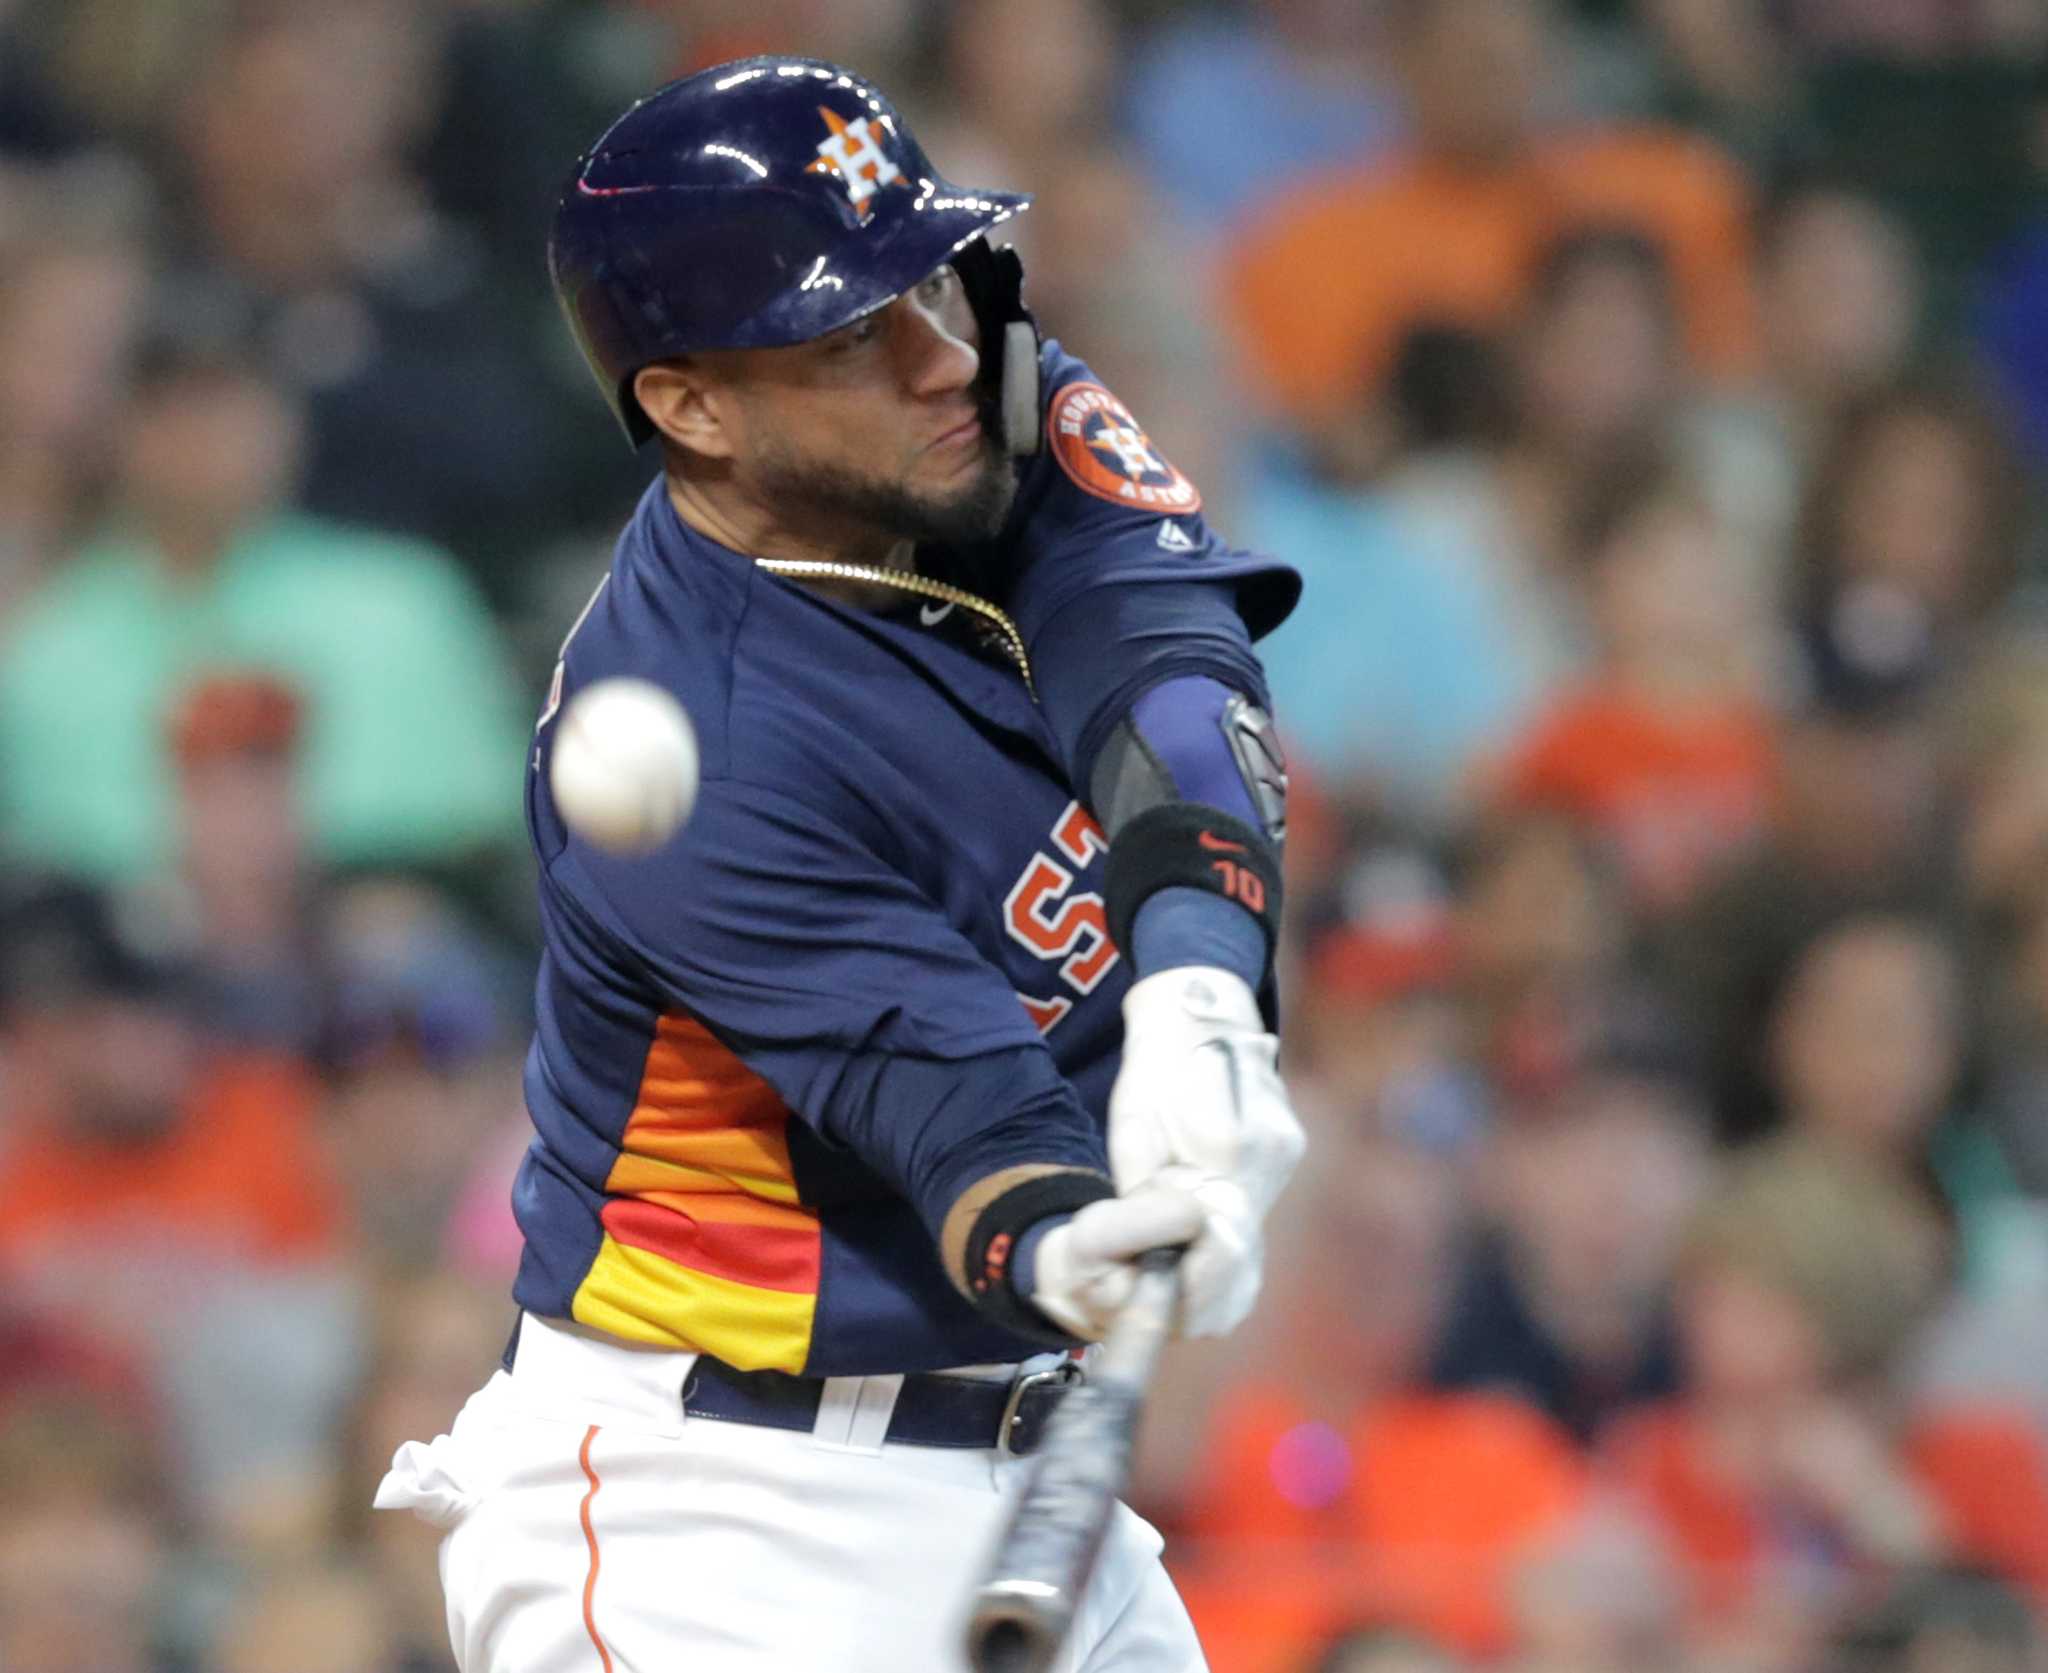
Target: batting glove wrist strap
<point x="1189" y="845"/>
<point x="1087" y="1268"/>
<point x="993" y="1240"/>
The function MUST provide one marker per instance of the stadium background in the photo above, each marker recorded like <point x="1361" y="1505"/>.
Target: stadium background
<point x="1655" y="393"/>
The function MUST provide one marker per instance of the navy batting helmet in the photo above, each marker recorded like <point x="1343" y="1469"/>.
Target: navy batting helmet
<point x="753" y="205"/>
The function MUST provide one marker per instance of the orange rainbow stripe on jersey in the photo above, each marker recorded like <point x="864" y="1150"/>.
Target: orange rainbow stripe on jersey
<point x="705" y="1248"/>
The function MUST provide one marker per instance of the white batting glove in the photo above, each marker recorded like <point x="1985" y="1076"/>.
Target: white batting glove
<point x="1081" y="1273"/>
<point x="1199" y="1105"/>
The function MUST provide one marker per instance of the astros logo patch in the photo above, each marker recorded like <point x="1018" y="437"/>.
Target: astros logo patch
<point x="852" y="152"/>
<point x="1098" y="443"/>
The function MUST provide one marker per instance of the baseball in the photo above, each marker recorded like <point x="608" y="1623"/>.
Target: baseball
<point x="624" y="770"/>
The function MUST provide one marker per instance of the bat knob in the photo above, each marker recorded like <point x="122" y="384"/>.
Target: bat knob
<point x="1017" y="1627"/>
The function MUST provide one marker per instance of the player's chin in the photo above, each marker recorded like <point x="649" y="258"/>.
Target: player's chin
<point x="973" y="506"/>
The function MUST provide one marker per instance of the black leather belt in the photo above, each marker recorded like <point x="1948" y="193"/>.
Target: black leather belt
<point x="932" y="1409"/>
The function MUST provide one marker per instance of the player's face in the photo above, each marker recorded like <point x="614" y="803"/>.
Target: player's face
<point x="882" y="424"/>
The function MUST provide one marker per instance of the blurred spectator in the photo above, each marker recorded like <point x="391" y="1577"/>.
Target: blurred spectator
<point x="1541" y="936"/>
<point x="2017" y="1094"/>
<point x="1858" y="812"/>
<point x="1947" y="1621"/>
<point x="1597" y="356"/>
<point x="1664" y="753"/>
<point x="1564" y="1302"/>
<point x="1329" y="1490"/>
<point x="1023" y="77"/>
<point x="243" y="870"/>
<point x="1866" y="1041"/>
<point x="413" y="744"/>
<point x="72" y="283"/>
<point x="1916" y="491"/>
<point x="321" y="1618"/>
<point x="423" y="1070"/>
<point x="1999" y="741"/>
<point x="1593" y="397"/>
<point x="1962" y="76"/>
<point x="1383" y="1045"/>
<point x="1464" y="564"/>
<point x="1840" y="297"/>
<point x="426" y="411"/>
<point x="1322" y="287"/>
<point x="1416" y="659"/>
<point x="1719" y="67"/>
<point x="1787" y="1465"/>
<point x="1303" y="81"/>
<point x="173" y="1202"/>
<point x="85" y="1530"/>
<point x="1598" y="1596"/>
<point x="1867" y="1044"/>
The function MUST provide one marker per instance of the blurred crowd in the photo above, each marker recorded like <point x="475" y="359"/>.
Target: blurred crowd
<point x="1655" y="395"/>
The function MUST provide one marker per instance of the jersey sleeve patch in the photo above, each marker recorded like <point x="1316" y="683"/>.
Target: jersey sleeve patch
<point x="1100" y="446"/>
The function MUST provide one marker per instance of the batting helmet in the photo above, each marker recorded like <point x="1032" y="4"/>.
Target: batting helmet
<point x="753" y="205"/>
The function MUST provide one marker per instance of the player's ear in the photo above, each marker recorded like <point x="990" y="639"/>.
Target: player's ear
<point x="681" y="402"/>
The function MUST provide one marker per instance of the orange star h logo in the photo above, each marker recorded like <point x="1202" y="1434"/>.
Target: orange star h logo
<point x="853" y="151"/>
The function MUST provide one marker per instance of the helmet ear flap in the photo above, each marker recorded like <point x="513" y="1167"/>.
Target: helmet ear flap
<point x="993" y="278"/>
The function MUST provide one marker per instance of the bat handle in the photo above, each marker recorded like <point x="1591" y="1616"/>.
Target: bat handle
<point x="1025" y="1606"/>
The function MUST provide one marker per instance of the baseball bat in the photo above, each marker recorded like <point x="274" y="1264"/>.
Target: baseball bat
<point x="1026" y="1602"/>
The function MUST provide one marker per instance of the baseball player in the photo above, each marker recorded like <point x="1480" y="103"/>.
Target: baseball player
<point x="856" y="1099"/>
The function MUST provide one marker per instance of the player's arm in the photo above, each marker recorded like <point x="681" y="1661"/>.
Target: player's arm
<point x="1158" y="701"/>
<point x="798" y="936"/>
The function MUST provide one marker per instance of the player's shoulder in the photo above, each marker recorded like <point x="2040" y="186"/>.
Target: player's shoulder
<point x="1093" y="442"/>
<point x="1101" y="503"/>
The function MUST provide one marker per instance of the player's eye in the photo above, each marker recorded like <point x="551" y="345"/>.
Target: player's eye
<point x="936" y="286"/>
<point x="860" y="332"/>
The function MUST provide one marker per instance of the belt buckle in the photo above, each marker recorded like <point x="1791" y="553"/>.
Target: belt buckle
<point x="1067" y="1372"/>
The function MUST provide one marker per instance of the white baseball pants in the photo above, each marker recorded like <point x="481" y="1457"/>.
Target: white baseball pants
<point x="590" y="1527"/>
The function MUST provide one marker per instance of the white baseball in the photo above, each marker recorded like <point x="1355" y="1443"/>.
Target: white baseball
<point x="624" y="769"/>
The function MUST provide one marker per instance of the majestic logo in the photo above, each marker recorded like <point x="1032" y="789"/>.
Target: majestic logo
<point x="1099" y="444"/>
<point x="1174" y="538"/>
<point x="853" y="152"/>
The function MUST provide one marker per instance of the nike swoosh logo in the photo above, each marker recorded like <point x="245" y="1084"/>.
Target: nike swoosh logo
<point x="932" y="614"/>
<point x="1216" y="845"/>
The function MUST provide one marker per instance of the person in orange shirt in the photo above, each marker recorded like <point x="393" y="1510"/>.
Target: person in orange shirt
<point x="170" y="1203"/>
<point x="1664" y="754"/>
<point x="1789" y="1468"/>
<point x="130" y="1159"/>
<point x="1331" y="1489"/>
<point x="1323" y="285"/>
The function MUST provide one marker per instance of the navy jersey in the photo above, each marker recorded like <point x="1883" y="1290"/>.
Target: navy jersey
<point x="761" y="1050"/>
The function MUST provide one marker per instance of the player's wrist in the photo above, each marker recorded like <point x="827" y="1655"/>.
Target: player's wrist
<point x="1179" y="927"/>
<point x="986" y="1226"/>
<point x="1190" y="845"/>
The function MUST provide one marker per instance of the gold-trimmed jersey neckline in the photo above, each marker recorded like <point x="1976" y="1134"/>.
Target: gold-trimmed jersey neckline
<point x="910" y="581"/>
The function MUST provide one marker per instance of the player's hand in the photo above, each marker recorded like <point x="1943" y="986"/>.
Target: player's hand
<point x="1199" y="1104"/>
<point x="1082" y="1273"/>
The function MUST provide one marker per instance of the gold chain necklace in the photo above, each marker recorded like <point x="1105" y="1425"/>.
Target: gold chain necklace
<point x="911" y="582"/>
